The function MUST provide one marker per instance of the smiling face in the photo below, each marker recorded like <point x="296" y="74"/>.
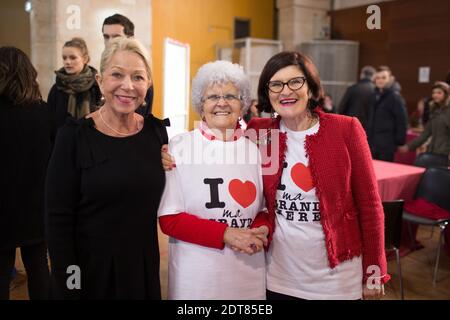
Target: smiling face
<point x="124" y="82"/>
<point x="288" y="103"/>
<point x="73" y="60"/>
<point x="224" y="113"/>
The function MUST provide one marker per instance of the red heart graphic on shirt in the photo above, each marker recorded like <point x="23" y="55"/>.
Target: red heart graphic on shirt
<point x="302" y="177"/>
<point x="243" y="193"/>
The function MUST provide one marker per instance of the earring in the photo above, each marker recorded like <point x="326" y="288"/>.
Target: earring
<point x="102" y="100"/>
<point x="272" y="114"/>
<point x="144" y="103"/>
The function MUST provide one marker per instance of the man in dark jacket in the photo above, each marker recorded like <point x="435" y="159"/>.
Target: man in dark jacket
<point x="116" y="26"/>
<point x="358" y="98"/>
<point x="387" y="119"/>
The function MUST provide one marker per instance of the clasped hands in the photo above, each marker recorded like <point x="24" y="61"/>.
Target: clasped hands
<point x="248" y="241"/>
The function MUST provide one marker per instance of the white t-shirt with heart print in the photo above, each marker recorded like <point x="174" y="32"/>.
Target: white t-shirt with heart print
<point x="219" y="181"/>
<point x="297" y="262"/>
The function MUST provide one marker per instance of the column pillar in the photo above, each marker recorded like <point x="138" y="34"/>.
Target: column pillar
<point x="302" y="20"/>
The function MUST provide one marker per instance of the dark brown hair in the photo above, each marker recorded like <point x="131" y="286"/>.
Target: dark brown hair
<point x="280" y="61"/>
<point x="444" y="87"/>
<point x="128" y="26"/>
<point x="18" y="77"/>
<point x="80" y="44"/>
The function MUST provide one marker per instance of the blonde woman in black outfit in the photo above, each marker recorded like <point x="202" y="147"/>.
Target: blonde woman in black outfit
<point x="75" y="93"/>
<point x="25" y="144"/>
<point x="104" y="184"/>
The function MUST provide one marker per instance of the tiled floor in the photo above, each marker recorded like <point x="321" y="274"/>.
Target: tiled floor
<point x="417" y="270"/>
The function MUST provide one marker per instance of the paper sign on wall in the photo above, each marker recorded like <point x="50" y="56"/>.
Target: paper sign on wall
<point x="424" y="74"/>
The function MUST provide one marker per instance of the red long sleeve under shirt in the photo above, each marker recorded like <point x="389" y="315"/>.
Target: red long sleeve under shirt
<point x="208" y="233"/>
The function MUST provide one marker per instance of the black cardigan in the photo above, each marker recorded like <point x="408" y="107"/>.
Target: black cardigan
<point x="25" y="144"/>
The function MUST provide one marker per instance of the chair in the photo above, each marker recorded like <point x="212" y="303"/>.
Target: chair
<point x="393" y="211"/>
<point x="433" y="187"/>
<point x="427" y="160"/>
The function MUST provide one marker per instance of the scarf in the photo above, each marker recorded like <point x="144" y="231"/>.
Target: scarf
<point x="77" y="87"/>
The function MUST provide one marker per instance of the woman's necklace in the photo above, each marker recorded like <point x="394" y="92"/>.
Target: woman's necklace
<point x="116" y="131"/>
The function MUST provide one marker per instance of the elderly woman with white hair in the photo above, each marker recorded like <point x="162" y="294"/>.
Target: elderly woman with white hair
<point x="104" y="185"/>
<point x="212" y="207"/>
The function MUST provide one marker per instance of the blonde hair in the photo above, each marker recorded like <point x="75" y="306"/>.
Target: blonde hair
<point x="80" y="44"/>
<point x="125" y="44"/>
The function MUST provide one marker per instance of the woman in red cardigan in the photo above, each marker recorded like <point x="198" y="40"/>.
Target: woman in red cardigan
<point x="322" y="197"/>
<point x="320" y="190"/>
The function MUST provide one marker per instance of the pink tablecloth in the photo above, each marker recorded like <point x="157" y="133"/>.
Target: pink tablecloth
<point x="396" y="181"/>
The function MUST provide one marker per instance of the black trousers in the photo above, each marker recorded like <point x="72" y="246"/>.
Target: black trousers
<point x="36" y="266"/>
<point x="383" y="155"/>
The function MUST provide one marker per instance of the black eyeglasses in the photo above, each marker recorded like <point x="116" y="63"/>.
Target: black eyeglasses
<point x="294" y="84"/>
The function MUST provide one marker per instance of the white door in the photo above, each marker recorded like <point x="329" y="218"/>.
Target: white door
<point x="176" y="85"/>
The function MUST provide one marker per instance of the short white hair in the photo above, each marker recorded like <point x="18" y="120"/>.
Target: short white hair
<point x="220" y="72"/>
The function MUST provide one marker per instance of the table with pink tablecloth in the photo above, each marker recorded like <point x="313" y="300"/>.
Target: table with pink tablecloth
<point x="396" y="181"/>
<point x="399" y="181"/>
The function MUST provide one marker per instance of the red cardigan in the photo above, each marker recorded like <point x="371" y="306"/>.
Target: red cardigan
<point x="341" y="167"/>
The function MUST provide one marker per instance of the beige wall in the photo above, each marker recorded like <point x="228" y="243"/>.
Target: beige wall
<point x="300" y="20"/>
<point x="14" y="25"/>
<point x="54" y="22"/>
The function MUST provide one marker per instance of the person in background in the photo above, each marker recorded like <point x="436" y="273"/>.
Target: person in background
<point x="358" y="98"/>
<point x="388" y="119"/>
<point x="210" y="204"/>
<point x="75" y="93"/>
<point x="328" y="105"/>
<point x="438" y="126"/>
<point x="26" y="132"/>
<point x="423" y="110"/>
<point x="103" y="188"/>
<point x="397" y="88"/>
<point x="252" y="111"/>
<point x="116" y="26"/>
<point x="423" y="106"/>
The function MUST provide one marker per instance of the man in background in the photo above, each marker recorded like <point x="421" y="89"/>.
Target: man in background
<point x="387" y="118"/>
<point x="359" y="97"/>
